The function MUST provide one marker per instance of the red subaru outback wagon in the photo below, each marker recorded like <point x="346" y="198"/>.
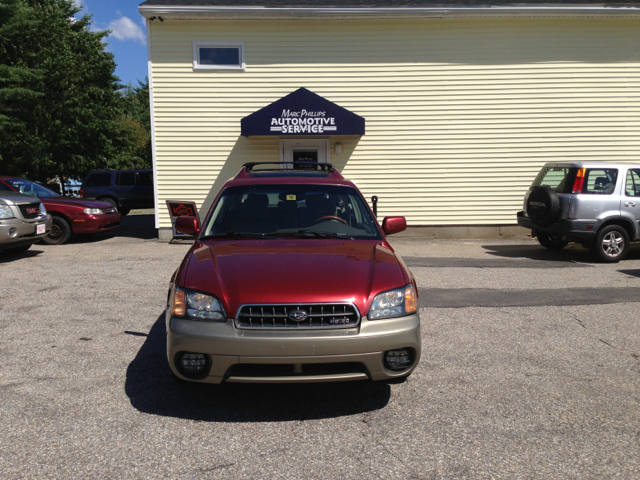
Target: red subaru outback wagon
<point x="291" y="279"/>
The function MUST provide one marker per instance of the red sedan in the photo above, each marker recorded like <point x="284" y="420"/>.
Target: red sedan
<point x="70" y="215"/>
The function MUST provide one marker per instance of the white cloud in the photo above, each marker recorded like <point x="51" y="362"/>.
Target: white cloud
<point x="126" y="29"/>
<point x="82" y="5"/>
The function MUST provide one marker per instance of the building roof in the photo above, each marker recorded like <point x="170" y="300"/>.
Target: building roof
<point x="379" y="3"/>
<point x="411" y="9"/>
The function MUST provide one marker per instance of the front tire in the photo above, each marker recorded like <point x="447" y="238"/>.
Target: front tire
<point x="60" y="232"/>
<point x="611" y="244"/>
<point x="552" y="242"/>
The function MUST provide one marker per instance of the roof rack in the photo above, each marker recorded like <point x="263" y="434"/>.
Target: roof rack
<point x="324" y="167"/>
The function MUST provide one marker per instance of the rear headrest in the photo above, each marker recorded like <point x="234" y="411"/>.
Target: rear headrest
<point x="602" y="181"/>
<point x="256" y="200"/>
<point x="320" y="205"/>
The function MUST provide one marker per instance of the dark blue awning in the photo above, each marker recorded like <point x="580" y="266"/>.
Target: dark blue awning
<point x="302" y="113"/>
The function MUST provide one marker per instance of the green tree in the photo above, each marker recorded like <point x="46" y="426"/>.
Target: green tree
<point x="135" y="123"/>
<point x="58" y="102"/>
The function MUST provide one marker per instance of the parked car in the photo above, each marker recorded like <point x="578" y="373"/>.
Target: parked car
<point x="123" y="189"/>
<point x="23" y="221"/>
<point x="291" y="279"/>
<point x="592" y="203"/>
<point x="70" y="216"/>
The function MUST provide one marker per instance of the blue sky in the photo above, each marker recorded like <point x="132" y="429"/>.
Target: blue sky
<point x="128" y="40"/>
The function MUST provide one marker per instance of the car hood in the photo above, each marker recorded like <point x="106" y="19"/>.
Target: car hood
<point x="76" y="202"/>
<point x="292" y="270"/>
<point x="15" y="198"/>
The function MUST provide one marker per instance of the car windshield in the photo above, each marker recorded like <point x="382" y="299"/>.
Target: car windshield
<point x="29" y="188"/>
<point x="305" y="211"/>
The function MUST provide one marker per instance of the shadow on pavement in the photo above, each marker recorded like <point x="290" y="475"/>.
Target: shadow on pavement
<point x="571" y="253"/>
<point x="137" y="226"/>
<point x="6" y="256"/>
<point x="132" y="226"/>
<point x="151" y="389"/>
<point x="631" y="273"/>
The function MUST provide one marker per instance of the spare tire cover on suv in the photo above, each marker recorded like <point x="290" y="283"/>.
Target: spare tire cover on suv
<point x="543" y="206"/>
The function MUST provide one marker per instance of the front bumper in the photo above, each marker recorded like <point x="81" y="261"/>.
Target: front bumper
<point x="95" y="223"/>
<point x="575" y="230"/>
<point x="16" y="232"/>
<point x="235" y="355"/>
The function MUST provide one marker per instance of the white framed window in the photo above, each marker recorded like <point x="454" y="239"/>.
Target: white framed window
<point x="218" y="56"/>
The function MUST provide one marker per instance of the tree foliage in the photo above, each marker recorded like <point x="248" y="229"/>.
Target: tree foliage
<point x="61" y="111"/>
<point x="135" y="121"/>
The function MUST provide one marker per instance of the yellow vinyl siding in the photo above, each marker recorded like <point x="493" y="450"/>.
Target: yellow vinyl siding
<point x="460" y="114"/>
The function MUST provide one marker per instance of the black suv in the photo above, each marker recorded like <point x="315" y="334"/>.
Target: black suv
<point x="124" y="189"/>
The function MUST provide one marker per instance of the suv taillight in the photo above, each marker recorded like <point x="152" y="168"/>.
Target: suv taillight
<point x="81" y="193"/>
<point x="577" y="184"/>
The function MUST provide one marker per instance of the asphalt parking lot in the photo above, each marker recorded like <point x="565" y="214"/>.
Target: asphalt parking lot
<point x="530" y="369"/>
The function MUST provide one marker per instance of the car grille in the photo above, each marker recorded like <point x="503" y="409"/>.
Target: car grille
<point x="32" y="210"/>
<point x="279" y="317"/>
<point x="110" y="210"/>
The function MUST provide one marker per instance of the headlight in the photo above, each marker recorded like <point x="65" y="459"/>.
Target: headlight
<point x="197" y="306"/>
<point x="5" y="211"/>
<point x="394" y="303"/>
<point x="94" y="211"/>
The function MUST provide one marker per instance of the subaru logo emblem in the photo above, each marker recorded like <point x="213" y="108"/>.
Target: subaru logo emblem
<point x="298" y="316"/>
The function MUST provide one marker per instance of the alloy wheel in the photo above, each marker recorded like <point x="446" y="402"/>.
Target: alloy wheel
<point x="613" y="244"/>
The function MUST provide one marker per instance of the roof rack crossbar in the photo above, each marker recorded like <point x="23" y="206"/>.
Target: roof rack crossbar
<point x="326" y="167"/>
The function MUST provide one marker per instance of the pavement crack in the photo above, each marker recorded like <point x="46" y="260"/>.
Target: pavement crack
<point x="217" y="467"/>
<point x="606" y="343"/>
<point x="636" y="357"/>
<point x="273" y="452"/>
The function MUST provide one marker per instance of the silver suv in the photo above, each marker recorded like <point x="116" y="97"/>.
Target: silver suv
<point x="23" y="221"/>
<point x="594" y="204"/>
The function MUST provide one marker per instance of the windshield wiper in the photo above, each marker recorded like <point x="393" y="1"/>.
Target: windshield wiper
<point x="240" y="235"/>
<point x="312" y="233"/>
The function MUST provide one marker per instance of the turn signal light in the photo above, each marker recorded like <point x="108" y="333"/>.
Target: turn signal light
<point x="179" y="303"/>
<point x="410" y="302"/>
<point x="579" y="182"/>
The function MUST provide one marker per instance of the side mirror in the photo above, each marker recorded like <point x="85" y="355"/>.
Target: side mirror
<point x="391" y="225"/>
<point x="188" y="225"/>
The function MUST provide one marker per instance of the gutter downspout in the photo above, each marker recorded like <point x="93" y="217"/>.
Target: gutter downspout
<point x="153" y="130"/>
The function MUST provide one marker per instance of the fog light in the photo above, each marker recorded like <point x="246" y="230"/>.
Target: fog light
<point x="13" y="232"/>
<point x="193" y="365"/>
<point x="397" y="359"/>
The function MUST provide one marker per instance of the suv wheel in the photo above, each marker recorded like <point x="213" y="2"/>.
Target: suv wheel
<point x="611" y="243"/>
<point x="552" y="242"/>
<point x="60" y="232"/>
<point x="108" y="200"/>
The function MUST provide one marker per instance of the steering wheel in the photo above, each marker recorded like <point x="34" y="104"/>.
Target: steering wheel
<point x="330" y="217"/>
